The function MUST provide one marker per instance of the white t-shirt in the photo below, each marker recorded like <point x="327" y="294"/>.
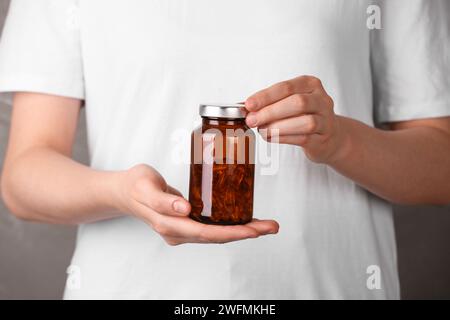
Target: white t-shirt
<point x="143" y="67"/>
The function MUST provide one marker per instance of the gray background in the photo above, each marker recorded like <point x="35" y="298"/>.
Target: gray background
<point x="33" y="257"/>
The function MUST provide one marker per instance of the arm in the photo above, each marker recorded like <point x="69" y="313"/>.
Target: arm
<point x="41" y="183"/>
<point x="409" y="165"/>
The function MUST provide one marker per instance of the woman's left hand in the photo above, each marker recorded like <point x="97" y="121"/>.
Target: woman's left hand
<point x="297" y="112"/>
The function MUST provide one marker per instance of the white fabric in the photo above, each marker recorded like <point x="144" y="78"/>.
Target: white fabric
<point x="144" y="66"/>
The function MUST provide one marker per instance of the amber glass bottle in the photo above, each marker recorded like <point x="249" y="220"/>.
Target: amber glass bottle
<point x="222" y="166"/>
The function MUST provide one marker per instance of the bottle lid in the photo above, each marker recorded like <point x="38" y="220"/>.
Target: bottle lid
<point x="223" y="110"/>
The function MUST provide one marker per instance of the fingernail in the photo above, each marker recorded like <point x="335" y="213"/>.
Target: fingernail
<point x="249" y="104"/>
<point x="251" y="120"/>
<point x="180" y="206"/>
<point x="275" y="231"/>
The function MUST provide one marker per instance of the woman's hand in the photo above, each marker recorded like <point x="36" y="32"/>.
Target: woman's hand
<point x="298" y="112"/>
<point x="144" y="193"/>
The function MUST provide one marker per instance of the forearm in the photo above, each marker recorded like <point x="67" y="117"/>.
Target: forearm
<point x="408" y="166"/>
<point x="43" y="185"/>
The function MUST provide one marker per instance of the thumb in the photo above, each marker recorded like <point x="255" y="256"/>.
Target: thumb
<point x="162" y="198"/>
<point x="169" y="204"/>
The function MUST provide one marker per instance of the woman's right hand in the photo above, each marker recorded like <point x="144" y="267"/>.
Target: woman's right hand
<point x="144" y="193"/>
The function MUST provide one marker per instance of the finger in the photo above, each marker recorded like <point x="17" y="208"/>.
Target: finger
<point x="300" y="139"/>
<point x="193" y="231"/>
<point x="294" y="105"/>
<point x="281" y="90"/>
<point x="157" y="199"/>
<point x="174" y="241"/>
<point x="169" y="204"/>
<point x="264" y="227"/>
<point x="306" y="124"/>
<point x="174" y="191"/>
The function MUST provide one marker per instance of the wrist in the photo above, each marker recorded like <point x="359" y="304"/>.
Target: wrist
<point x="108" y="190"/>
<point x="344" y="144"/>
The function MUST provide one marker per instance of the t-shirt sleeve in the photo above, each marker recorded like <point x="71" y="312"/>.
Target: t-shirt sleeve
<point x="410" y="58"/>
<point x="40" y="48"/>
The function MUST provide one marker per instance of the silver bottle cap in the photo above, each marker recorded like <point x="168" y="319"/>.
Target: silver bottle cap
<point x="223" y="110"/>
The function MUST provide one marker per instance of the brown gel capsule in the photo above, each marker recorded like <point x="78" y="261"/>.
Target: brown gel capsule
<point x="222" y="167"/>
